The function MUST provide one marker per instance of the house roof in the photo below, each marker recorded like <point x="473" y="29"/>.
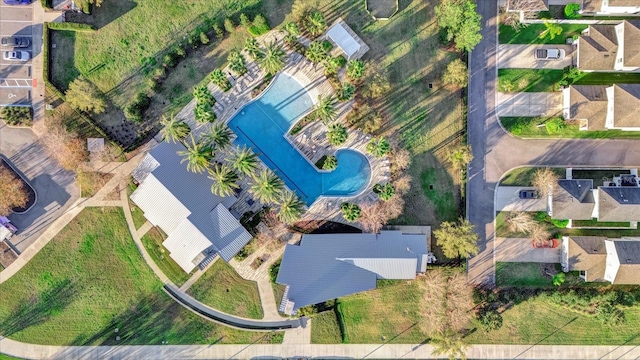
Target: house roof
<point x="528" y="5"/>
<point x="624" y="3"/>
<point x="628" y="252"/>
<point x="588" y="253"/>
<point x="589" y="102"/>
<point x="591" y="5"/>
<point x="597" y="51"/>
<point x="618" y="203"/>
<point x="631" y="43"/>
<point x="573" y="199"/>
<point x="626" y="102"/>
<point x="170" y="195"/>
<point x="329" y="266"/>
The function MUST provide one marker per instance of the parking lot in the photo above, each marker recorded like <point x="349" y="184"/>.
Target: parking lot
<point x="16" y="77"/>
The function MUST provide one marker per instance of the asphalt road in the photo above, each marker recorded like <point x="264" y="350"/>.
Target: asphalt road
<point x="16" y="76"/>
<point x="496" y="152"/>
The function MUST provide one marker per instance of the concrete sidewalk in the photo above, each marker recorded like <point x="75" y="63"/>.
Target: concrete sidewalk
<point x="359" y="351"/>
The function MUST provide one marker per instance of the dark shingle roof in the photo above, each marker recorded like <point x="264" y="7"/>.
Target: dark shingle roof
<point x="573" y="200"/>
<point x="589" y="102"/>
<point x="618" y="203"/>
<point x="591" y="5"/>
<point x="329" y="266"/>
<point x="528" y="5"/>
<point x="597" y="51"/>
<point x="588" y="253"/>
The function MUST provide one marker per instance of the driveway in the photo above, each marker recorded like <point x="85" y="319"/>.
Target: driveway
<point x="508" y="199"/>
<point x="521" y="57"/>
<point x="55" y="187"/>
<point x="529" y="104"/>
<point x="521" y="250"/>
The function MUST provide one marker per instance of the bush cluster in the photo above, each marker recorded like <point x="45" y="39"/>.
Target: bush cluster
<point x="204" y="103"/>
<point x="17" y="115"/>
<point x="135" y="110"/>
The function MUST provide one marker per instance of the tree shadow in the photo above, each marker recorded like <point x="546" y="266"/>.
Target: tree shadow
<point x="39" y="309"/>
<point x="103" y="15"/>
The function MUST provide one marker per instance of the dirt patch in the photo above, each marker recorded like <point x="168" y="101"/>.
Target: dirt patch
<point x="7" y="256"/>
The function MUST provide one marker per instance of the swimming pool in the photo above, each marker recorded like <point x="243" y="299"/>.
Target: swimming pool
<point x="263" y="124"/>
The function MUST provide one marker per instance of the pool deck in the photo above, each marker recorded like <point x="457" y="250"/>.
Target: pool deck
<point x="311" y="142"/>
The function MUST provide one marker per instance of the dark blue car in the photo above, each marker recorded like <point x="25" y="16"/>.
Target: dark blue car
<point x="17" y="2"/>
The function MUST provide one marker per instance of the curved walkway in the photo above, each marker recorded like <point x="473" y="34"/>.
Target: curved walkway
<point x="496" y="152"/>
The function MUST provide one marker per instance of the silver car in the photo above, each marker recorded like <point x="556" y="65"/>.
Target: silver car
<point x="15" y="41"/>
<point x="16" y="55"/>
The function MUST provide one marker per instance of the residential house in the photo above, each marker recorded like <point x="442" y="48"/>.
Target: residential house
<point x="601" y="107"/>
<point x="600" y="259"/>
<point x="610" y="47"/>
<point x="617" y="200"/>
<point x="610" y="7"/>
<point x="328" y="266"/>
<point x="198" y="223"/>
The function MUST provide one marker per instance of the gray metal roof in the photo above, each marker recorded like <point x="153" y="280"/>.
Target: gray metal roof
<point x="329" y="266"/>
<point x="176" y="193"/>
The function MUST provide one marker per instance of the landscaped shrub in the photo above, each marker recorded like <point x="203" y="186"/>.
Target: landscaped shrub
<point x="560" y="223"/>
<point x="193" y="40"/>
<point x="315" y="52"/>
<point x="330" y="162"/>
<point x="169" y="60"/>
<point x="337" y="134"/>
<point x="346" y="91"/>
<point x="489" y="319"/>
<point x="558" y="279"/>
<point x="217" y="31"/>
<point x="555" y="126"/>
<point x="384" y="192"/>
<point x="17" y="115"/>
<point x="218" y="77"/>
<point x="571" y="11"/>
<point x="203" y="113"/>
<point x="259" y="26"/>
<point x="203" y="95"/>
<point x="244" y="20"/>
<point x="246" y="251"/>
<point x="378" y="146"/>
<point x="70" y="26"/>
<point x="273" y="271"/>
<point x="204" y="39"/>
<point x="229" y="26"/>
<point x="542" y="216"/>
<point x="135" y="110"/>
<point x="351" y="212"/>
<point x="236" y="63"/>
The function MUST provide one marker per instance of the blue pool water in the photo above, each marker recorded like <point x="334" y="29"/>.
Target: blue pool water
<point x="262" y="125"/>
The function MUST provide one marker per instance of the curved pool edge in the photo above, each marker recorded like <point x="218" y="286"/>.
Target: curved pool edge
<point x="365" y="187"/>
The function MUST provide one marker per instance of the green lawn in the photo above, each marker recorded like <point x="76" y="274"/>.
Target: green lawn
<point x="88" y="281"/>
<point x="528" y="80"/>
<point x="325" y="328"/>
<point x="436" y="189"/>
<point x="535" y="127"/>
<point x="536" y="321"/>
<point x="152" y="241"/>
<point x="597" y="78"/>
<point x="521" y="274"/>
<point x="136" y="213"/>
<point x="223" y="289"/>
<point x="595" y="223"/>
<point x="531" y="34"/>
<point x="596" y="175"/>
<point x="391" y="311"/>
<point x="522" y="176"/>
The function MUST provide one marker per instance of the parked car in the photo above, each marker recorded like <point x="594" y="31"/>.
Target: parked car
<point x="15" y="41"/>
<point x="528" y="194"/>
<point x="551" y="243"/>
<point x="549" y="54"/>
<point x="16" y="55"/>
<point x="17" y="2"/>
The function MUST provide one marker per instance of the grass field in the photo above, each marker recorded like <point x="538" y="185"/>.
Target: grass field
<point x="522" y="176"/>
<point x="535" y="321"/>
<point x="88" y="281"/>
<point x="325" y="328"/>
<point x="152" y="241"/>
<point x="223" y="289"/>
<point x="528" y="127"/>
<point x="531" y="34"/>
<point x="595" y="223"/>
<point x="528" y="80"/>
<point x="136" y="213"/>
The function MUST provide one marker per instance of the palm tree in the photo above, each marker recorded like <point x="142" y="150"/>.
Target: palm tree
<point x="355" y="69"/>
<point x="325" y="109"/>
<point x="460" y="156"/>
<point x="219" y="136"/>
<point x="253" y="48"/>
<point x="552" y="30"/>
<point x="315" y="52"/>
<point x="243" y="160"/>
<point x="197" y="155"/>
<point x="292" y="28"/>
<point x="236" y="63"/>
<point x="450" y="343"/>
<point x="316" y="23"/>
<point x="224" y="180"/>
<point x="337" y="134"/>
<point x="272" y="59"/>
<point x="266" y="186"/>
<point x="174" y="130"/>
<point x="219" y="78"/>
<point x="378" y="146"/>
<point x="290" y="207"/>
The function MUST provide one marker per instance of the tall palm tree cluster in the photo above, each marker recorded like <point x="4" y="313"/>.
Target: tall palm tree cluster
<point x="265" y="185"/>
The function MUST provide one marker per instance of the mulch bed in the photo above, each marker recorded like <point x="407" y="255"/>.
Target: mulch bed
<point x="30" y="193"/>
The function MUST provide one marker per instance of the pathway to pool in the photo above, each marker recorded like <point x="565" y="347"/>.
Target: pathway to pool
<point x="263" y="124"/>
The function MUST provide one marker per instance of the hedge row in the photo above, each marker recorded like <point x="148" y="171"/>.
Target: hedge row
<point x="71" y="26"/>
